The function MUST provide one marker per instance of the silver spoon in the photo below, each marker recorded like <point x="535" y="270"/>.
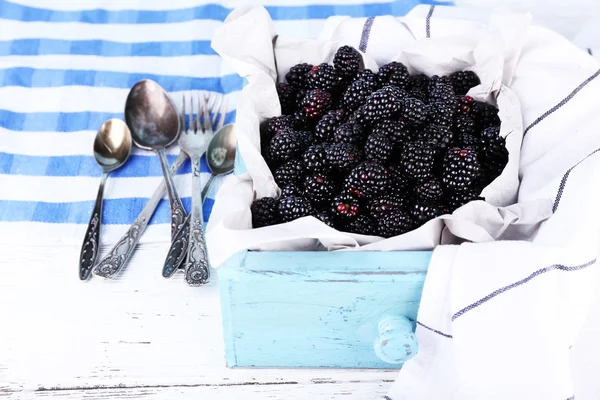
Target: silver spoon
<point x="111" y="149"/>
<point x="223" y="142"/>
<point x="220" y="155"/>
<point x="154" y="123"/>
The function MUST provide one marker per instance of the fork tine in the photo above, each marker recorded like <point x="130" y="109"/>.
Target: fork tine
<point x="182" y="113"/>
<point x="217" y="108"/>
<point x="206" y="127"/>
<point x="223" y="111"/>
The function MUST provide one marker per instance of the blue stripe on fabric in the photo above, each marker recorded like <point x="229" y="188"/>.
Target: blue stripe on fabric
<point x="35" y="78"/>
<point x="103" y="48"/>
<point x="136" y="166"/>
<point x="20" y="12"/>
<point x="115" y="211"/>
<point x="63" y="122"/>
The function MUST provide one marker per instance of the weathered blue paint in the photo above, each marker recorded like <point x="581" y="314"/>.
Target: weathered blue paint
<point x="321" y="309"/>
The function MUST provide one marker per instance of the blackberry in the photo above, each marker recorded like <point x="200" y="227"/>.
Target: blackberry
<point x="467" y="140"/>
<point x="419" y="87"/>
<point x="396" y="131"/>
<point x="315" y="158"/>
<point x="345" y="208"/>
<point x="316" y="103"/>
<point x="356" y="94"/>
<point x="346" y="62"/>
<point x="464" y="105"/>
<point x="394" y="73"/>
<point x="363" y="225"/>
<point x="394" y="223"/>
<point x="325" y="218"/>
<point x="290" y="190"/>
<point x="461" y="168"/>
<point x="399" y="94"/>
<point x="292" y="208"/>
<point x="289" y="172"/>
<point x="414" y="111"/>
<point x="328" y="124"/>
<point x="464" y="125"/>
<point x="301" y="122"/>
<point x="296" y="76"/>
<point x="306" y="137"/>
<point x="387" y="203"/>
<point x="462" y="81"/>
<point x="440" y="136"/>
<point x="493" y="146"/>
<point x="367" y="179"/>
<point x="378" y="147"/>
<point x="369" y="77"/>
<point x="274" y="125"/>
<point x="320" y="188"/>
<point x="399" y="182"/>
<point x="352" y="133"/>
<point x="264" y="212"/>
<point x="287" y="98"/>
<point x="422" y="213"/>
<point x="485" y="115"/>
<point x="429" y="192"/>
<point x="342" y="156"/>
<point x="285" y="145"/>
<point x="381" y="104"/>
<point x="442" y="113"/>
<point x="440" y="89"/>
<point x="417" y="159"/>
<point x="460" y="198"/>
<point x="323" y="77"/>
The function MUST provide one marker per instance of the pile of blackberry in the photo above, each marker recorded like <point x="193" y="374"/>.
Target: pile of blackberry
<point x="377" y="153"/>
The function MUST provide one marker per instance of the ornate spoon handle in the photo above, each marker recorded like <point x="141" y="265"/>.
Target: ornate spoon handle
<point x="122" y="251"/>
<point x="196" y="267"/>
<point x="91" y="242"/>
<point x="178" y="250"/>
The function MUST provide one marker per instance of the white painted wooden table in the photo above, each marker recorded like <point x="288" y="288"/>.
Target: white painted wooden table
<point x="142" y="336"/>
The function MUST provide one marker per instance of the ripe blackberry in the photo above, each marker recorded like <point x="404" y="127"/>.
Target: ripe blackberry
<point x="442" y="113"/>
<point x="418" y="160"/>
<point x="394" y="73"/>
<point x="422" y="213"/>
<point x="289" y="172"/>
<point x="399" y="94"/>
<point x="307" y="138"/>
<point x="461" y="168"/>
<point x="493" y="146"/>
<point x="320" y="188"/>
<point x="296" y="76"/>
<point x="323" y="77"/>
<point x="315" y="158"/>
<point x="464" y="125"/>
<point x="345" y="208"/>
<point x="301" y="122"/>
<point x="274" y="125"/>
<point x="287" y="98"/>
<point x="292" y="208"/>
<point x="440" y="136"/>
<point x="316" y="103"/>
<point x="387" y="203"/>
<point x="342" y="156"/>
<point x="325" y="218"/>
<point x="290" y="190"/>
<point x="464" y="104"/>
<point x="462" y="81"/>
<point x="381" y="104"/>
<point x="419" y="87"/>
<point x="356" y="94"/>
<point x="264" y="212"/>
<point x="300" y="95"/>
<point x="328" y="124"/>
<point x="399" y="182"/>
<point x="467" y="140"/>
<point x="363" y="225"/>
<point x="285" y="145"/>
<point x="440" y="89"/>
<point x="378" y="147"/>
<point x="346" y="62"/>
<point x="460" y="198"/>
<point x="414" y="111"/>
<point x="369" y="77"/>
<point x="349" y="132"/>
<point x="485" y="115"/>
<point x="367" y="179"/>
<point x="396" y="131"/>
<point x="429" y="192"/>
<point x="394" y="223"/>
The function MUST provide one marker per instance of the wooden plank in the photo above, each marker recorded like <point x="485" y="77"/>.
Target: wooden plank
<point x="139" y="330"/>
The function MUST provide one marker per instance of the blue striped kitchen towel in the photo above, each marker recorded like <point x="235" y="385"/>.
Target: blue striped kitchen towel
<point x="65" y="67"/>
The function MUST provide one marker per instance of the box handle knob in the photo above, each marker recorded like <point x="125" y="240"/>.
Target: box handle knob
<point x="396" y="342"/>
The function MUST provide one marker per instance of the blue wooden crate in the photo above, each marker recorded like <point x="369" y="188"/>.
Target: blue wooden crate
<point x="321" y="309"/>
